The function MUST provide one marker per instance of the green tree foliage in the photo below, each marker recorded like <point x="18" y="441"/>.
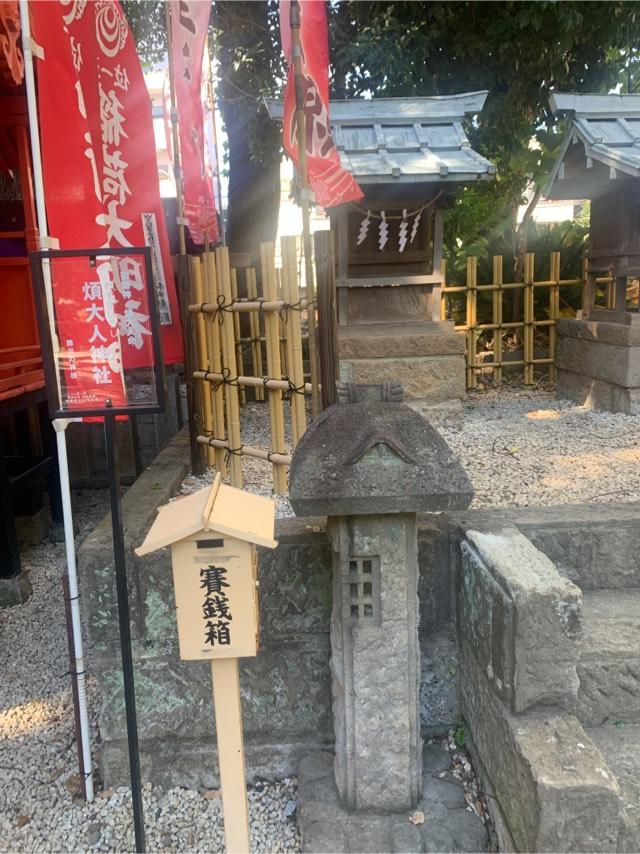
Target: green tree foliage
<point x="519" y="51"/>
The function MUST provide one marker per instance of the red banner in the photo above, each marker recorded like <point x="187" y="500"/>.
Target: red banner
<point x="100" y="168"/>
<point x="332" y="184"/>
<point x="189" y="24"/>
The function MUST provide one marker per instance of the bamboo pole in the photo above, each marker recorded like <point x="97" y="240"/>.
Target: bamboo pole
<point x="554" y="310"/>
<point x="248" y="451"/>
<point x="300" y="118"/>
<point x="254" y="328"/>
<point x="472" y="282"/>
<point x="244" y="306"/>
<point x="497" y="317"/>
<point x="529" y="318"/>
<point x="236" y="331"/>
<point x="274" y="366"/>
<point x="249" y="382"/>
<point x="201" y="349"/>
<point x="294" y="337"/>
<point x="284" y="346"/>
<point x="214" y="346"/>
<point x="229" y="352"/>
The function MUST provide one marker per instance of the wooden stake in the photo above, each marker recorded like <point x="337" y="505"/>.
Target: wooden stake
<point x="214" y="346"/>
<point x="229" y="352"/>
<point x="294" y="336"/>
<point x="226" y="701"/>
<point x="255" y="332"/>
<point x="274" y="365"/>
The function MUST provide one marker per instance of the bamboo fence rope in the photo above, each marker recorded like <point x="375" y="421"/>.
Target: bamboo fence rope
<point x="236" y="331"/>
<point x="472" y="282"/>
<point x="255" y="332"/>
<point x="249" y="382"/>
<point x="229" y="350"/>
<point x="497" y="316"/>
<point x="274" y="365"/>
<point x="293" y="324"/>
<point x="203" y="358"/>
<point x="214" y="346"/>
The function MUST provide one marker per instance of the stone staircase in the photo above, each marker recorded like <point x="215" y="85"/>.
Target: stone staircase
<point x="568" y="773"/>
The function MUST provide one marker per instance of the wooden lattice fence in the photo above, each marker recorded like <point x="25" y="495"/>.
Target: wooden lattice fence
<point x="231" y="354"/>
<point x="536" y="315"/>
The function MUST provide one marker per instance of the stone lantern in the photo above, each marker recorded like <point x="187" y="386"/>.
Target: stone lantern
<point x="371" y="468"/>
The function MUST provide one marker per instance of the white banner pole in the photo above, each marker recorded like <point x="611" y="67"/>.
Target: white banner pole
<point x="59" y="426"/>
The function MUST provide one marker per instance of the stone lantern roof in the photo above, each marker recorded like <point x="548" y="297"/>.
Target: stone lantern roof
<point x="371" y="458"/>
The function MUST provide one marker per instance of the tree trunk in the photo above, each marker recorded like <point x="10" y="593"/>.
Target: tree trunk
<point x="520" y="247"/>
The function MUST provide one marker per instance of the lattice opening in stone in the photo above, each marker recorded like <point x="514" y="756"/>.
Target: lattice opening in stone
<point x="363" y="590"/>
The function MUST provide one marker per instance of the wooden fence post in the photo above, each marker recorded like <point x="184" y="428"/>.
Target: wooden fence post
<point x="497" y="317"/>
<point x="236" y="332"/>
<point x="327" y="317"/>
<point x="214" y="345"/>
<point x="230" y="363"/>
<point x="274" y="365"/>
<point x="472" y="298"/>
<point x="294" y="336"/>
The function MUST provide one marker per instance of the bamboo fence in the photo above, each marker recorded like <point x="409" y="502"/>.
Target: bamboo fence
<point x="237" y="337"/>
<point x="526" y="326"/>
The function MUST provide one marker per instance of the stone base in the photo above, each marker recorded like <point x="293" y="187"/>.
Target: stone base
<point x="448" y="825"/>
<point x="598" y="364"/>
<point x="14" y="591"/>
<point x="428" y="358"/>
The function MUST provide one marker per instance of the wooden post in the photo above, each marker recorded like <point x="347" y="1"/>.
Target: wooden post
<point x="274" y="365"/>
<point x="255" y="331"/>
<point x="527" y="337"/>
<point x="201" y="349"/>
<point x="301" y="134"/>
<point x="472" y="283"/>
<point x="226" y="701"/>
<point x="214" y="346"/>
<point x="554" y="310"/>
<point x="497" y="318"/>
<point x="190" y="359"/>
<point x="443" y="296"/>
<point x="327" y="315"/>
<point x="229" y="351"/>
<point x="294" y="337"/>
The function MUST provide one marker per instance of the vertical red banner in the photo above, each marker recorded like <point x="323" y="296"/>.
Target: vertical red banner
<point x="189" y="25"/>
<point x="99" y="160"/>
<point x="332" y="184"/>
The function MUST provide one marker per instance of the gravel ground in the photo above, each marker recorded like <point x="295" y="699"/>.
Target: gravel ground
<point x="520" y="447"/>
<point x="524" y="447"/>
<point x="41" y="808"/>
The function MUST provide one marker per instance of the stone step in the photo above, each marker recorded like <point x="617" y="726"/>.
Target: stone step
<point x="619" y="747"/>
<point x="609" y="666"/>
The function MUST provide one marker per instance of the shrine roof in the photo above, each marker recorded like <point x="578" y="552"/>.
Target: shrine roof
<point x="606" y="131"/>
<point x="405" y="140"/>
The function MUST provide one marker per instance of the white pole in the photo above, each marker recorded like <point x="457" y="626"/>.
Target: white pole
<point x="59" y="426"/>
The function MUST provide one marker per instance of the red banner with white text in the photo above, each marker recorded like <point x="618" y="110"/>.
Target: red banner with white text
<point x="189" y="24"/>
<point x="332" y="184"/>
<point x="100" y="170"/>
